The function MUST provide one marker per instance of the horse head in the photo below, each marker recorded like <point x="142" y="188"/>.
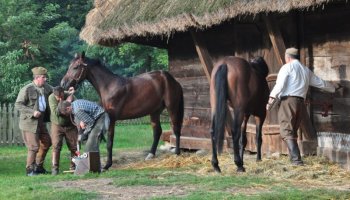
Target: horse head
<point x="76" y="72"/>
<point x="259" y="64"/>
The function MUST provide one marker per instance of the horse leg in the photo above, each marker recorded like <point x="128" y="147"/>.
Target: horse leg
<point x="110" y="144"/>
<point x="236" y="136"/>
<point x="175" y="107"/>
<point x="214" y="159"/>
<point x="176" y="125"/>
<point x="243" y="139"/>
<point x="157" y="131"/>
<point x="259" y="123"/>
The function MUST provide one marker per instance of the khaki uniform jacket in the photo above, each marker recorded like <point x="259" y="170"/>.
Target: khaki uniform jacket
<point x="55" y="117"/>
<point x="27" y="103"/>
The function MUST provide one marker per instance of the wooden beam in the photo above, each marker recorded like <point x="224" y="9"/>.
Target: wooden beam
<point x="276" y="37"/>
<point x="301" y="37"/>
<point x="203" y="53"/>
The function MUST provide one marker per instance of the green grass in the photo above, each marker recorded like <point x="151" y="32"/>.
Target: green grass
<point x="15" y="185"/>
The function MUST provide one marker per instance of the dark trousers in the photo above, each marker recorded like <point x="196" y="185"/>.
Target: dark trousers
<point x="100" y="127"/>
<point x="70" y="134"/>
<point x="290" y="114"/>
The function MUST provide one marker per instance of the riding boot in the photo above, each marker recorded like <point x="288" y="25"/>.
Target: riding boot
<point x="294" y="152"/>
<point x="39" y="169"/>
<point x="55" y="162"/>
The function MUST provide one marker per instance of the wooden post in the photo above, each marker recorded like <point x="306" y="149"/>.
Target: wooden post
<point x="276" y="37"/>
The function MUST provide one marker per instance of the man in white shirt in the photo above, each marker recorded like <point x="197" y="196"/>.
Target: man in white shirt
<point x="293" y="81"/>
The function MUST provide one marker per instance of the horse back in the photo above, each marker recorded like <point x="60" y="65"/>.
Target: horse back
<point x="148" y="93"/>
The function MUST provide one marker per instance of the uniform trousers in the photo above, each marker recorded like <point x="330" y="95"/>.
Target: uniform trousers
<point x="290" y="114"/>
<point x="37" y="144"/>
<point x="70" y="134"/>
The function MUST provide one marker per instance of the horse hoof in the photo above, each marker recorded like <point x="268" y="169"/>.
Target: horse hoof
<point x="173" y="150"/>
<point x="258" y="160"/>
<point x="103" y="170"/>
<point x="240" y="169"/>
<point x="150" y="156"/>
<point x="106" y="167"/>
<point x="217" y="169"/>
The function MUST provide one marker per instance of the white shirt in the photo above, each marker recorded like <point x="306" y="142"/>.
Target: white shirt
<point x="294" y="79"/>
<point x="42" y="103"/>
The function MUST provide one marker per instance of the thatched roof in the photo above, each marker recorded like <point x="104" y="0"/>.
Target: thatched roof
<point x="115" y="21"/>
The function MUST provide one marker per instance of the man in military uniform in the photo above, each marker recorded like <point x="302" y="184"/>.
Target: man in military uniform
<point x="32" y="103"/>
<point x="61" y="127"/>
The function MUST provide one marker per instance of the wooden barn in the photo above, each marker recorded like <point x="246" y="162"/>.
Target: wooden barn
<point x="197" y="33"/>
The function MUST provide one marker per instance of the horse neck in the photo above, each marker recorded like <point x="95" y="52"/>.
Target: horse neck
<point x="100" y="77"/>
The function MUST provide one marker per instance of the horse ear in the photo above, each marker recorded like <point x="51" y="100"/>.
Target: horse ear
<point x="76" y="55"/>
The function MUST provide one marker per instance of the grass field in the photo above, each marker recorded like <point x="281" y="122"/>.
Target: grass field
<point x="170" y="177"/>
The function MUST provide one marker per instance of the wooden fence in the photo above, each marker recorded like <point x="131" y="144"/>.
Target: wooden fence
<point x="10" y="134"/>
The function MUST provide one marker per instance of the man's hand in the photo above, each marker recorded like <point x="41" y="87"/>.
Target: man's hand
<point x="37" y="114"/>
<point x="82" y="125"/>
<point x="270" y="103"/>
<point x="339" y="88"/>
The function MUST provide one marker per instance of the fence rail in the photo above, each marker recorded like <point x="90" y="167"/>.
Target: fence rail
<point x="10" y="134"/>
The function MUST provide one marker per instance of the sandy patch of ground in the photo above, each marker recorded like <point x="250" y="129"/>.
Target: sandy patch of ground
<point x="105" y="188"/>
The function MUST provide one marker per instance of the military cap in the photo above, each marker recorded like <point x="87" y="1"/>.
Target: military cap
<point x="39" y="71"/>
<point x="292" y="51"/>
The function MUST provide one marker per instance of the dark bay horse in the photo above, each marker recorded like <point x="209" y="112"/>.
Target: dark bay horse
<point x="128" y="98"/>
<point x="243" y="86"/>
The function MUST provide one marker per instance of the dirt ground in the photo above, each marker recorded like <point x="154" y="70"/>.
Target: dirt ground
<point x="314" y="174"/>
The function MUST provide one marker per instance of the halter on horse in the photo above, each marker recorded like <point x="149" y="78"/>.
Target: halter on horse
<point x="128" y="98"/>
<point x="243" y="87"/>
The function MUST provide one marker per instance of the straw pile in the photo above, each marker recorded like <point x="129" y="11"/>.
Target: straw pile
<point x="316" y="172"/>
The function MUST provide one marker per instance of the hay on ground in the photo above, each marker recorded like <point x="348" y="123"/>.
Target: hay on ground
<point x="316" y="172"/>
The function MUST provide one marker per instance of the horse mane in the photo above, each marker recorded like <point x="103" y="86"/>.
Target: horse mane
<point x="259" y="64"/>
<point x="91" y="61"/>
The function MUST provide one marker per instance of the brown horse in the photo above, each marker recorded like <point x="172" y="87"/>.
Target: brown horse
<point x="244" y="87"/>
<point x="128" y="98"/>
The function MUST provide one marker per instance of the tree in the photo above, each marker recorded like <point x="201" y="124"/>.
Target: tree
<point x="28" y="38"/>
<point x="130" y="59"/>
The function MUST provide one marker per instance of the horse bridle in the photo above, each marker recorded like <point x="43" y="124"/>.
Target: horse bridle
<point x="83" y="71"/>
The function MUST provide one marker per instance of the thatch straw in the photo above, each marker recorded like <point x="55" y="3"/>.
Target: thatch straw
<point x="112" y="21"/>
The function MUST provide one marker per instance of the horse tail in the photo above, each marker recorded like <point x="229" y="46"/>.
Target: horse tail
<point x="221" y="94"/>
